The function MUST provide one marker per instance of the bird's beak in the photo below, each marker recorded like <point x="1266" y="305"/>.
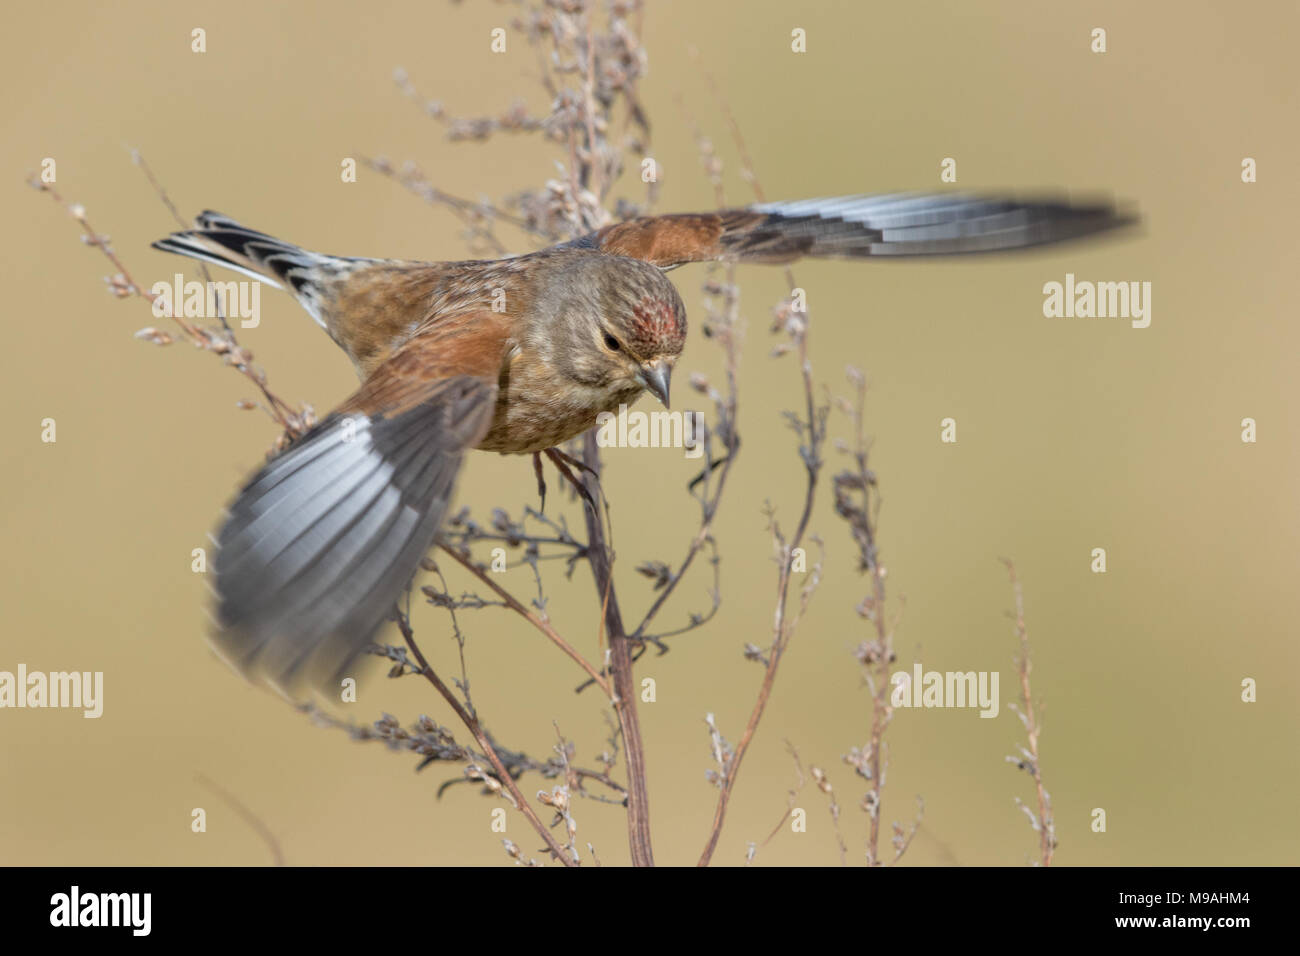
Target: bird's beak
<point x="655" y="377"/>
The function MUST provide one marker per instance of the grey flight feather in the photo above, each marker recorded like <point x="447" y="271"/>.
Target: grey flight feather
<point x="321" y="543"/>
<point x="907" y="224"/>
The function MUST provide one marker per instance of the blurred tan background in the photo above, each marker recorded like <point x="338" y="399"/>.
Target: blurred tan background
<point x="1073" y="433"/>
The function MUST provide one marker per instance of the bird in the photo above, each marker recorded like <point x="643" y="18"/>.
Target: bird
<point x="513" y="355"/>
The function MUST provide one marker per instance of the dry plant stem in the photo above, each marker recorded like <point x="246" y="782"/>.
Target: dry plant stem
<point x="516" y="762"/>
<point x="514" y="604"/>
<point x="858" y="503"/>
<point x="1046" y="844"/>
<point x="833" y="807"/>
<point x="746" y="161"/>
<point x="782" y="627"/>
<point x="880" y="707"/>
<point x="476" y="729"/>
<point x="292" y="421"/>
<point x="620" y="666"/>
<point x="792" y="798"/>
<point x="589" y="84"/>
<point x="467" y="211"/>
<point x="249" y="817"/>
<point x="791" y="795"/>
<point x="878" y="723"/>
<point x="166" y="200"/>
<point x="880" y="716"/>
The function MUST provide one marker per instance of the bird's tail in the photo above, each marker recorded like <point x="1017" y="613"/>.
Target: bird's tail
<point x="224" y="242"/>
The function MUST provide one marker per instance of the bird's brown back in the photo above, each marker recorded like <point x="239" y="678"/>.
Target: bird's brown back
<point x="508" y="315"/>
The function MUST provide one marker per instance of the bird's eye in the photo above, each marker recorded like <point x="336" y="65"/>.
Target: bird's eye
<point x="611" y="343"/>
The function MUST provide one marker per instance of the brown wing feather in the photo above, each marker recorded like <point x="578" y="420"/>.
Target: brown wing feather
<point x="469" y="343"/>
<point x="378" y="307"/>
<point x="857" y="227"/>
<point x="671" y="240"/>
<point x="320" y="544"/>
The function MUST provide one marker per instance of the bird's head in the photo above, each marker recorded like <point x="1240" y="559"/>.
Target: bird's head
<point x="617" y="324"/>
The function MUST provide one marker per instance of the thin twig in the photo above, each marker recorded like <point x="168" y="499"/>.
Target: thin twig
<point x="1044" y="823"/>
<point x="515" y="605"/>
<point x="252" y="819"/>
<point x="620" y="666"/>
<point x="223" y="343"/>
<point x="476" y="729"/>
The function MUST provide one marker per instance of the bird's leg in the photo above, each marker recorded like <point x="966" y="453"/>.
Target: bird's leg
<point x="562" y="463"/>
<point x="554" y="453"/>
<point x="541" y="479"/>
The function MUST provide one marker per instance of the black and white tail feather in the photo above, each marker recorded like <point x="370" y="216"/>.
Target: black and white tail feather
<point x="222" y="241"/>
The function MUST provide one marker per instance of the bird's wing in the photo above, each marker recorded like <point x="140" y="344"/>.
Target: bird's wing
<point x="319" y="545"/>
<point x="855" y="227"/>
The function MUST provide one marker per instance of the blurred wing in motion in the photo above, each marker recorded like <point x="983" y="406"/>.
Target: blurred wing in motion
<point x="853" y="227"/>
<point x="321" y="543"/>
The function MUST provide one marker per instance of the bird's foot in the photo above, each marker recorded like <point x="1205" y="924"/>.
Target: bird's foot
<point x="562" y="464"/>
